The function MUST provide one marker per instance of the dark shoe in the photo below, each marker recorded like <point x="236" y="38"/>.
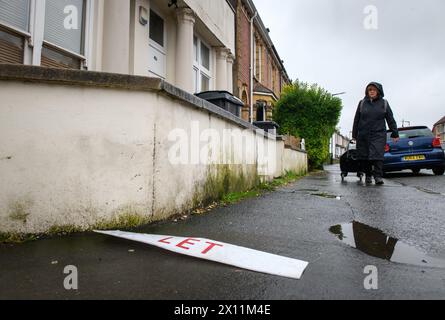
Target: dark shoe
<point x="379" y="181"/>
<point x="368" y="180"/>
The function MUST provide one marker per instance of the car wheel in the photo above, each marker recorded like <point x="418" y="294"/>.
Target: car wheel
<point x="416" y="171"/>
<point x="439" y="172"/>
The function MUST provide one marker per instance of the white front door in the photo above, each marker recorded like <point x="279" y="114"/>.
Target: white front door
<point x="157" y="42"/>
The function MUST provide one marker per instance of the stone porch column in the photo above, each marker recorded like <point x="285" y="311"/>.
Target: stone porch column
<point x="230" y="61"/>
<point x="184" y="49"/>
<point x="221" y="69"/>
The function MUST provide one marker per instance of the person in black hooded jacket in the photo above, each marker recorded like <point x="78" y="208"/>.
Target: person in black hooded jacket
<point x="370" y="132"/>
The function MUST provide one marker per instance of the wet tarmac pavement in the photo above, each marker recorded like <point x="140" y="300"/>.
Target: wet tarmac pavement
<point x="308" y="220"/>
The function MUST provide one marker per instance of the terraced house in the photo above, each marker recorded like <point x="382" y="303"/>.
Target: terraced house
<point x="260" y="74"/>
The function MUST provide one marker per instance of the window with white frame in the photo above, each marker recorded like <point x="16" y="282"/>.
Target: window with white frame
<point x="64" y="34"/>
<point x="254" y="57"/>
<point x="269" y="71"/>
<point x="50" y="33"/>
<point x="14" y="30"/>
<point x="274" y="79"/>
<point x="202" y="75"/>
<point x="258" y="60"/>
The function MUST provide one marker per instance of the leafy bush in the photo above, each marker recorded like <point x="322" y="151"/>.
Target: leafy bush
<point x="312" y="113"/>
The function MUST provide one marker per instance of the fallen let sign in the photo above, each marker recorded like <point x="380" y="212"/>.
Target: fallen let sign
<point x="220" y="252"/>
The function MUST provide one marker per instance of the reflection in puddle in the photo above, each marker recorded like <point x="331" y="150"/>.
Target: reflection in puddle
<point x="377" y="244"/>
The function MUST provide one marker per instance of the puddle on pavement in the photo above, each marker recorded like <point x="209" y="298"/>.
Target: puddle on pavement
<point x="377" y="244"/>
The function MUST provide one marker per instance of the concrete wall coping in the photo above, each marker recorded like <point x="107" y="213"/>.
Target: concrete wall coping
<point x="69" y="77"/>
<point x="295" y="149"/>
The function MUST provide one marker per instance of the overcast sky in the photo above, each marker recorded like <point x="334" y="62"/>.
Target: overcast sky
<point x="326" y="42"/>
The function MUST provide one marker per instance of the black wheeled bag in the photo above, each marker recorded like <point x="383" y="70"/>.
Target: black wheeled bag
<point x="349" y="163"/>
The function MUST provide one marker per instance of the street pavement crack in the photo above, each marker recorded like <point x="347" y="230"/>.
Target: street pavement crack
<point x="352" y="210"/>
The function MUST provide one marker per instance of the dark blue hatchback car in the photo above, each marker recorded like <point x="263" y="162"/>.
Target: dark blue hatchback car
<point x="417" y="149"/>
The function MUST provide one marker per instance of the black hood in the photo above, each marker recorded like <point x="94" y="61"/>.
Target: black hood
<point x="379" y="88"/>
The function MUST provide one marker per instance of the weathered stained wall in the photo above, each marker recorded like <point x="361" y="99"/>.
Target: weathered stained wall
<point x="294" y="161"/>
<point x="86" y="149"/>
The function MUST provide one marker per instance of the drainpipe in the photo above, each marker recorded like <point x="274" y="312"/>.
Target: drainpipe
<point x="251" y="65"/>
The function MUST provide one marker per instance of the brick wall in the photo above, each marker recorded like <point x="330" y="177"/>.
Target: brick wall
<point x="243" y="49"/>
<point x="271" y="76"/>
<point x="242" y="70"/>
<point x="292" y="142"/>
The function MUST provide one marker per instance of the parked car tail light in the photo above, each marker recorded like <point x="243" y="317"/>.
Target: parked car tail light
<point x="387" y="148"/>
<point x="437" y="143"/>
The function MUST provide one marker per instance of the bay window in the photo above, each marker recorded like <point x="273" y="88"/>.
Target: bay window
<point x="51" y="33"/>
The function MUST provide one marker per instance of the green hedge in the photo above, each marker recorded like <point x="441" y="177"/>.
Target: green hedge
<point x="309" y="112"/>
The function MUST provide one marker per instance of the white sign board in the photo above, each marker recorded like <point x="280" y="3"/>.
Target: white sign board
<point x="220" y="252"/>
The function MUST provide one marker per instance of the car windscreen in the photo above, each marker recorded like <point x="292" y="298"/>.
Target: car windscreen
<point x="414" y="133"/>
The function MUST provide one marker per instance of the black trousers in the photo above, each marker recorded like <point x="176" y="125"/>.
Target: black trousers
<point x="372" y="168"/>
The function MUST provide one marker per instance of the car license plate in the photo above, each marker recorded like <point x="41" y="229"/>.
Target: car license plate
<point x="414" y="158"/>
